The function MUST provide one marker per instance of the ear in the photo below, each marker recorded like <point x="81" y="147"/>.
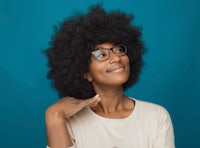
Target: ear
<point x="88" y="77"/>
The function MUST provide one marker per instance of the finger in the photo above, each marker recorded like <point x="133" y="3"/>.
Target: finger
<point x="92" y="101"/>
<point x="93" y="104"/>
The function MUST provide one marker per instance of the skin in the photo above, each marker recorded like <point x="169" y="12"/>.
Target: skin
<point x="107" y="78"/>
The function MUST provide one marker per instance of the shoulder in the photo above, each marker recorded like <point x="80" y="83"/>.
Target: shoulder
<point x="149" y="106"/>
<point x="149" y="110"/>
<point x="153" y="116"/>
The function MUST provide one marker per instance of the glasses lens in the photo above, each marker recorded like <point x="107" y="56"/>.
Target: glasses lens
<point x="120" y="50"/>
<point x="101" y="54"/>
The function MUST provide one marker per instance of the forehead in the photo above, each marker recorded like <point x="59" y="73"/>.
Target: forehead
<point x="105" y="45"/>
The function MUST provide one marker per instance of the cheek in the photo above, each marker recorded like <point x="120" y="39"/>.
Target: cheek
<point x="126" y="62"/>
<point x="97" y="69"/>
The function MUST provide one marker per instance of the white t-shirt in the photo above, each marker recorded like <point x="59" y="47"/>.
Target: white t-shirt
<point x="148" y="126"/>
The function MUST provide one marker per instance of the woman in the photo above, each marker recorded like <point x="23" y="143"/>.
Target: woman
<point x="93" y="58"/>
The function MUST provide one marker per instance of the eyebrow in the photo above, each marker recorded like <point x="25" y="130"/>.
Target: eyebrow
<point x="104" y="47"/>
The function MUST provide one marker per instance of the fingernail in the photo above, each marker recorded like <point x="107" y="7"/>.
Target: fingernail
<point x="99" y="99"/>
<point x="96" y="96"/>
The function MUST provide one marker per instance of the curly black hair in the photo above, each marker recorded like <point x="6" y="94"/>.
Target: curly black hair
<point x="71" y="45"/>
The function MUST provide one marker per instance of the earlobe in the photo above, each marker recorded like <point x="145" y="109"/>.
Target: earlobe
<point x="88" y="77"/>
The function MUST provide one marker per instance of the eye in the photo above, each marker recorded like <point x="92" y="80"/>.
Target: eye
<point x="100" y="54"/>
<point x="119" y="49"/>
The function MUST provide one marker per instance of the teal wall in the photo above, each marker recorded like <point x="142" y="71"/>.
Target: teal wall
<point x="170" y="76"/>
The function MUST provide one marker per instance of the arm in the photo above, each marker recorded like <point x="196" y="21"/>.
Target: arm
<point x="56" y="115"/>
<point x="165" y="133"/>
<point x="57" y="133"/>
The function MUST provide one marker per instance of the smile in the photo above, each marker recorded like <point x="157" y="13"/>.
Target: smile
<point x="116" y="69"/>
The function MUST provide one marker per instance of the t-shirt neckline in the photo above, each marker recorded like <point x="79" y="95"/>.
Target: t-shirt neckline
<point x="125" y="118"/>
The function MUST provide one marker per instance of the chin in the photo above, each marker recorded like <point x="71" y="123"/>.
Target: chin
<point x="118" y="81"/>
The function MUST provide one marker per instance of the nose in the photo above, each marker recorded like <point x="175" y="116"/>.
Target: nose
<point x="113" y="57"/>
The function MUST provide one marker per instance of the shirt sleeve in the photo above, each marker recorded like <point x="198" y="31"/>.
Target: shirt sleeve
<point x="165" y="131"/>
<point x="68" y="147"/>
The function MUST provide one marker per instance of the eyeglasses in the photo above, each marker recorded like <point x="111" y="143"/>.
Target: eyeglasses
<point x="103" y="54"/>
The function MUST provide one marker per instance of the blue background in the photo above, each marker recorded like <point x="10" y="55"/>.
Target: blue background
<point x="170" y="77"/>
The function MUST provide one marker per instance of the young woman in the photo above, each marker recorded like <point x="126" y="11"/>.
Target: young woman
<point x="93" y="58"/>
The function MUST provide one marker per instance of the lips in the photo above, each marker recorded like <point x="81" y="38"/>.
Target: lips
<point x="116" y="68"/>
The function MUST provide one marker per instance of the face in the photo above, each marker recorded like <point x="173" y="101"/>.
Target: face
<point x="111" y="71"/>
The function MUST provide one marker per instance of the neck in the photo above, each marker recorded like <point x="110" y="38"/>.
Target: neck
<point x="112" y="99"/>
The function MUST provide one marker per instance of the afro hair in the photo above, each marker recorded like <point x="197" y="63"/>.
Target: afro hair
<point x="74" y="40"/>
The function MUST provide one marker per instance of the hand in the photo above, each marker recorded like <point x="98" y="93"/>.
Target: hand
<point x="57" y="132"/>
<point x="69" y="106"/>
